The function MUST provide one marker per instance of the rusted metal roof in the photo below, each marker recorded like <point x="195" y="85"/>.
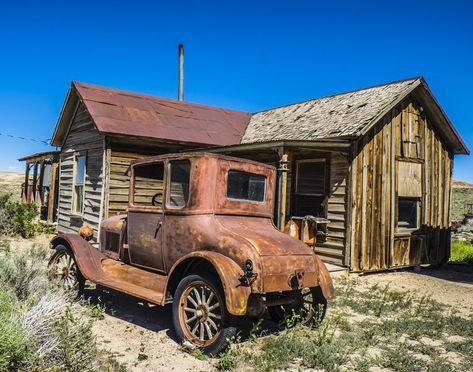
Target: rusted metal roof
<point x="117" y="112"/>
<point x="39" y="155"/>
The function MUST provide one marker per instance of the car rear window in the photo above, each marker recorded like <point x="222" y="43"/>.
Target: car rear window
<point x="245" y="186"/>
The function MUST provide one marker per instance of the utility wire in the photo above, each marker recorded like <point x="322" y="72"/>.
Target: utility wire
<point x="46" y="141"/>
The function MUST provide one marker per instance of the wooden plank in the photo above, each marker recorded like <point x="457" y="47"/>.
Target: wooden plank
<point x="409" y="179"/>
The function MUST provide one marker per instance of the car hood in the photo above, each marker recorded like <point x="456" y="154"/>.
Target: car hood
<point x="264" y="236"/>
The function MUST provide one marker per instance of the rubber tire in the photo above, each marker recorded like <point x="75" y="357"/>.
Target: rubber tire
<point x="59" y="249"/>
<point x="278" y="313"/>
<point x="227" y="331"/>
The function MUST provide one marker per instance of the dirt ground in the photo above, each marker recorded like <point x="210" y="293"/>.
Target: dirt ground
<point x="451" y="284"/>
<point x="131" y="328"/>
<point x="141" y="336"/>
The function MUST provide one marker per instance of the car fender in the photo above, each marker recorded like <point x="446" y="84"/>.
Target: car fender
<point x="325" y="280"/>
<point x="87" y="257"/>
<point x="236" y="294"/>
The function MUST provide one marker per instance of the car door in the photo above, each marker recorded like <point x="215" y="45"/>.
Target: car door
<point x="145" y="216"/>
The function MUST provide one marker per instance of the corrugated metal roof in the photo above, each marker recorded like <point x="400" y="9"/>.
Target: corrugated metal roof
<point x="341" y="115"/>
<point x="118" y="112"/>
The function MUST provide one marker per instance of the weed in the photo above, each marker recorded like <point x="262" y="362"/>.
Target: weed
<point x="199" y="354"/>
<point x="229" y="357"/>
<point x="96" y="311"/>
<point x="141" y="354"/>
<point x="461" y="251"/>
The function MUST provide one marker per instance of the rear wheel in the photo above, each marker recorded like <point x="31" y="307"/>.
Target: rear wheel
<point x="309" y="308"/>
<point x="200" y="315"/>
<point x="64" y="272"/>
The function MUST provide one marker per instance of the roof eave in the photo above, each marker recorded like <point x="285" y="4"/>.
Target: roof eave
<point x="457" y="145"/>
<point x="65" y="117"/>
<point x="461" y="148"/>
<point x="334" y="143"/>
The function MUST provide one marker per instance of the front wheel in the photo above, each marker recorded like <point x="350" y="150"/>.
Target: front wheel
<point x="64" y="272"/>
<point x="200" y="315"/>
<point x="309" y="308"/>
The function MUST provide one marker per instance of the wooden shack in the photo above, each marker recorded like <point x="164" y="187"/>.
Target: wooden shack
<point x="41" y="183"/>
<point x="101" y="130"/>
<point x="380" y="170"/>
<point x="373" y="165"/>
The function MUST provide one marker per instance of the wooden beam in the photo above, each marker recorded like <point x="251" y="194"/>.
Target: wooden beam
<point x="282" y="188"/>
<point x="40" y="200"/>
<point x="35" y="182"/>
<point x="25" y="185"/>
<point x="52" y="191"/>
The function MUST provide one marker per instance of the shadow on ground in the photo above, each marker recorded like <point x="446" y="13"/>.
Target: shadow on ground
<point x="458" y="273"/>
<point x="159" y="318"/>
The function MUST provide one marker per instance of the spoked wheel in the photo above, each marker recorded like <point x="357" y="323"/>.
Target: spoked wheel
<point x="309" y="308"/>
<point x="64" y="272"/>
<point x="200" y="315"/>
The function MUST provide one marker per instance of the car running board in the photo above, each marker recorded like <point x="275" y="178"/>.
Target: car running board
<point x="132" y="281"/>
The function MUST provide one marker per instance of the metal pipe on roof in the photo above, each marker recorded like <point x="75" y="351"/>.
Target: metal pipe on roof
<point x="180" y="91"/>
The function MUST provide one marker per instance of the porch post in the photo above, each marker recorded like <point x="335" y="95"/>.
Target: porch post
<point x="52" y="190"/>
<point x="40" y="200"/>
<point x="282" y="188"/>
<point x="25" y="198"/>
<point x="35" y="182"/>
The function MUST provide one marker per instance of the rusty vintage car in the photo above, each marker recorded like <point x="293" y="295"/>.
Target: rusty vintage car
<point x="199" y="235"/>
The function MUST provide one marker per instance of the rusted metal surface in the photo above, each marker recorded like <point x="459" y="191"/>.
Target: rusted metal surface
<point x="236" y="237"/>
<point x="117" y="112"/>
<point x="236" y="295"/>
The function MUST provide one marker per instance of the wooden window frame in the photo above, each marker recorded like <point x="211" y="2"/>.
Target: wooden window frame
<point x="401" y="229"/>
<point x="168" y="184"/>
<point x="131" y="195"/>
<point x="74" y="212"/>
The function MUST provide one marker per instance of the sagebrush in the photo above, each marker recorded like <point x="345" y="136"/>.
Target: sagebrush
<point x="18" y="218"/>
<point x="41" y="329"/>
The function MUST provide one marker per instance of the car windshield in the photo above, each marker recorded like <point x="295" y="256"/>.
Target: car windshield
<point x="246" y="186"/>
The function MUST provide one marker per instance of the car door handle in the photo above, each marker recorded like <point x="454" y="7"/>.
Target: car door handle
<point x="160" y="223"/>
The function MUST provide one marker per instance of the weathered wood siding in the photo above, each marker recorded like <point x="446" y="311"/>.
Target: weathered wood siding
<point x="401" y="156"/>
<point x="119" y="181"/>
<point x="333" y="249"/>
<point x="82" y="137"/>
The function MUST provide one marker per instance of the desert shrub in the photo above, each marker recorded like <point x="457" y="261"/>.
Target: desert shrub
<point x="14" y="345"/>
<point x="18" y="218"/>
<point x="25" y="272"/>
<point x="40" y="328"/>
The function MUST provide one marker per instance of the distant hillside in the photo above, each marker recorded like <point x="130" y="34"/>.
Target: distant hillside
<point x="462" y="194"/>
<point x="10" y="182"/>
<point x="461" y="185"/>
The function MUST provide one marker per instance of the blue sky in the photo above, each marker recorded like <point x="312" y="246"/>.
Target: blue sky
<point x="246" y="55"/>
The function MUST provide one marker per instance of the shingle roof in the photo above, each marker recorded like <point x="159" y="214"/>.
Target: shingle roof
<point x="341" y="115"/>
<point x="119" y="112"/>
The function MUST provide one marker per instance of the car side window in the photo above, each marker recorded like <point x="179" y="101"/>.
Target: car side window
<point x="178" y="195"/>
<point x="148" y="185"/>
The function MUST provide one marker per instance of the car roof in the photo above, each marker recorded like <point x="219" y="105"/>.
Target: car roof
<point x="191" y="155"/>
